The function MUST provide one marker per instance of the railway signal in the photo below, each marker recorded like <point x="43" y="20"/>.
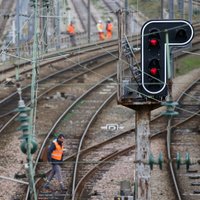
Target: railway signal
<point x="157" y="35"/>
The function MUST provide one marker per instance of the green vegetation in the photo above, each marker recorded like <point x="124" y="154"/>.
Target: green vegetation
<point x="187" y="64"/>
<point x="150" y="8"/>
<point x="94" y="2"/>
<point x="98" y="5"/>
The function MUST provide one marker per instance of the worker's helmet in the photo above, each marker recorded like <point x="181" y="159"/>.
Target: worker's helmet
<point x="100" y="21"/>
<point x="108" y="20"/>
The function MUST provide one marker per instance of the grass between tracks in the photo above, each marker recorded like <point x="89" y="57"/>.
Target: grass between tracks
<point x="187" y="64"/>
<point x="152" y="9"/>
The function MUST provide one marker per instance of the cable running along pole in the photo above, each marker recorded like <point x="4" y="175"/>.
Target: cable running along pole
<point x="34" y="85"/>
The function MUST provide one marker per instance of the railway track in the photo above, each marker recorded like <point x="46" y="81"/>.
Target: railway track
<point x="51" y="111"/>
<point x="45" y="60"/>
<point x="183" y="143"/>
<point x="87" y="162"/>
<point x="49" y="69"/>
<point x="73" y="91"/>
<point x="47" y="84"/>
<point x="82" y="111"/>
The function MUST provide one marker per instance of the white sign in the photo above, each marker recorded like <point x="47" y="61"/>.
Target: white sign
<point x="112" y="127"/>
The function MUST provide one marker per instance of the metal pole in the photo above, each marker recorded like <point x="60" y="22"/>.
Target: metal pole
<point x="161" y="10"/>
<point x="68" y="15"/>
<point x="190" y="11"/>
<point x="120" y="59"/>
<point x="89" y="21"/>
<point x="44" y="24"/>
<point x="169" y="69"/>
<point x="142" y="173"/>
<point x="32" y="121"/>
<point x="181" y="8"/>
<point x="58" y="24"/>
<point x="18" y="41"/>
<point x="190" y="16"/>
<point x="171" y="9"/>
<point x="126" y="16"/>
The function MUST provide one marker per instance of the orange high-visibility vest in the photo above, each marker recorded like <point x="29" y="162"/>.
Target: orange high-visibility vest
<point x="58" y="152"/>
<point x="101" y="36"/>
<point x="71" y="29"/>
<point x="109" y="27"/>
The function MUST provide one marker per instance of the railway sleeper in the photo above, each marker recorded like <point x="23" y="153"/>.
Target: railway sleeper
<point x="194" y="176"/>
<point x="192" y="171"/>
<point x="124" y="198"/>
<point x="195" y="184"/>
<point x="196" y="191"/>
<point x="51" y="195"/>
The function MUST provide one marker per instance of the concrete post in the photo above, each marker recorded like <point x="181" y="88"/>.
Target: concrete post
<point x="142" y="176"/>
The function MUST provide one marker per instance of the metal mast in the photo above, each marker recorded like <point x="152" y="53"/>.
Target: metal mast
<point x="32" y="120"/>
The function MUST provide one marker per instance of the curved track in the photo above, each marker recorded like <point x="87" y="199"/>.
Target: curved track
<point x="155" y="127"/>
<point x="53" y="103"/>
<point x="183" y="142"/>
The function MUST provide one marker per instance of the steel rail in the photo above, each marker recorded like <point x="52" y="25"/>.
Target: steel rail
<point x="57" y="85"/>
<point x="169" y="133"/>
<point x="82" y="140"/>
<point x="95" y="146"/>
<point x="99" y="165"/>
<point x="80" y="183"/>
<point x="65" y="113"/>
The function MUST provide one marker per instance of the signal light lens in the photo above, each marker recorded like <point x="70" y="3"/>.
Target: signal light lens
<point x="181" y="36"/>
<point x="154" y="71"/>
<point x="153" y="42"/>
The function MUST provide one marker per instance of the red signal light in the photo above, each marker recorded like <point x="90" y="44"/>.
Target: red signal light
<point x="153" y="42"/>
<point x="154" y="71"/>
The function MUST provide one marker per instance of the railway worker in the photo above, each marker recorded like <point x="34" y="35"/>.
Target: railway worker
<point x="100" y="30"/>
<point x="72" y="33"/>
<point x="55" y="157"/>
<point x="109" y="29"/>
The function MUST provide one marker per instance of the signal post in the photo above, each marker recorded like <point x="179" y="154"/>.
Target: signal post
<point x="146" y="93"/>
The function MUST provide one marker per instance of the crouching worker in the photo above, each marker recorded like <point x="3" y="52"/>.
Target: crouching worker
<point x="55" y="157"/>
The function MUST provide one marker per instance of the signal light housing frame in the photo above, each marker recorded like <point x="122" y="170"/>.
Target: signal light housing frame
<point x="157" y="29"/>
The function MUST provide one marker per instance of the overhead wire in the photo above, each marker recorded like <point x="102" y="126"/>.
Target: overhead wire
<point x="74" y="62"/>
<point x="116" y="82"/>
<point x="106" y="52"/>
<point x="67" y="58"/>
<point x="104" y="76"/>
